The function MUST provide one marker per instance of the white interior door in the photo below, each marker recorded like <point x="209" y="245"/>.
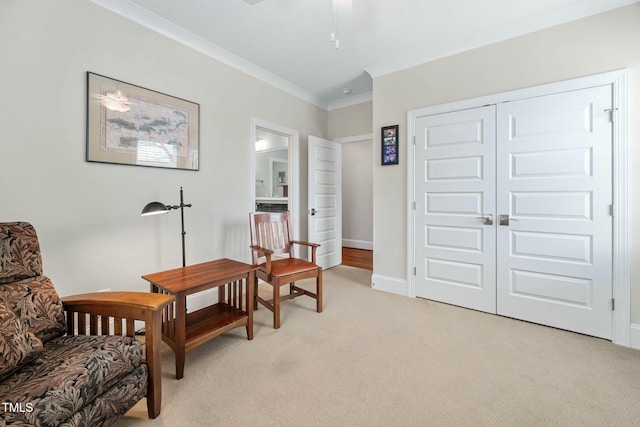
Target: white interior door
<point x="455" y="208"/>
<point x="542" y="168"/>
<point x="554" y="181"/>
<point x="325" y="200"/>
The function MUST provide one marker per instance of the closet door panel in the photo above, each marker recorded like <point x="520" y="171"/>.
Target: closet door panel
<point x="455" y="208"/>
<point x="554" y="181"/>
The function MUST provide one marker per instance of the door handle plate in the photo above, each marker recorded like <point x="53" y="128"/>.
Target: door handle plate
<point x="486" y="219"/>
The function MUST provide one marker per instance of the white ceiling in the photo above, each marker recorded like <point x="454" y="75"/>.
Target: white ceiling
<point x="287" y="42"/>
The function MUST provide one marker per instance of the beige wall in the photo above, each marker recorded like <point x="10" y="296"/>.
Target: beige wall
<point x="357" y="169"/>
<point x="593" y="45"/>
<point x="357" y="194"/>
<point x="88" y="214"/>
<point x="350" y="121"/>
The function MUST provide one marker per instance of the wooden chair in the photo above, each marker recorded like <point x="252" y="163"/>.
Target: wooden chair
<point x="271" y="234"/>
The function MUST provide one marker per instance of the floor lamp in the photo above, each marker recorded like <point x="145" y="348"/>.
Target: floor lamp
<point x="155" y="208"/>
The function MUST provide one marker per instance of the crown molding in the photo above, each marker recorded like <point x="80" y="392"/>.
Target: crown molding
<point x="351" y="100"/>
<point x="162" y="26"/>
<point x="355" y="138"/>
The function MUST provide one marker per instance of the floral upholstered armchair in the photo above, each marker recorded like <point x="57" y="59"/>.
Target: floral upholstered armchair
<point x="72" y="361"/>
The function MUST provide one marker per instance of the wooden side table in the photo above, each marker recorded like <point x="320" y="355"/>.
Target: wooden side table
<point x="184" y="331"/>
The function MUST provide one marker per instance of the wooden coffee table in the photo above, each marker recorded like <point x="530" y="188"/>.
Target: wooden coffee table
<point x="184" y="331"/>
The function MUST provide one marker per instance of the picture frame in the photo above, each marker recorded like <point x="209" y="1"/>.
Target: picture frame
<point x="389" y="144"/>
<point x="132" y="125"/>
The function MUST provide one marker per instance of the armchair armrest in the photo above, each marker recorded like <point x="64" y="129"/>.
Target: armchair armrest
<point x="127" y="305"/>
<point x="261" y="249"/>
<point x="313" y="247"/>
<point x="267" y="255"/>
<point x="302" y="242"/>
<point x="101" y="306"/>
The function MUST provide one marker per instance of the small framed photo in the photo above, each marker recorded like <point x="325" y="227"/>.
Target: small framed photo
<point x="390" y="145"/>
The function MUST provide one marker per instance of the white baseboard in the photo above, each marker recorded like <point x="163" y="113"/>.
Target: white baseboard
<point x="635" y="336"/>
<point x="357" y="244"/>
<point x="389" y="284"/>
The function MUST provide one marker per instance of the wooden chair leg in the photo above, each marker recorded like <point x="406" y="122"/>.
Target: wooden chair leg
<point x="319" y="291"/>
<point x="276" y="306"/>
<point x="255" y="294"/>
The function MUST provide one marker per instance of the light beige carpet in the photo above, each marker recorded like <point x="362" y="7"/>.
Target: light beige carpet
<point x="377" y="359"/>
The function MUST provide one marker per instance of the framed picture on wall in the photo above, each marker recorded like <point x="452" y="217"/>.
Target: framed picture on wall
<point x="132" y="125"/>
<point x="389" y="145"/>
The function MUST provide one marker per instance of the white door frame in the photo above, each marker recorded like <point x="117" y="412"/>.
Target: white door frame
<point x="294" y="168"/>
<point x="621" y="333"/>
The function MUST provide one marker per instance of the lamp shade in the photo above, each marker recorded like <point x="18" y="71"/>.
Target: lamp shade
<point x="154" y="208"/>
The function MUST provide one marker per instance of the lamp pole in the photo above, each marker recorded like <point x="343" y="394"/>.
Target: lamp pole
<point x="154" y="208"/>
<point x="182" y="205"/>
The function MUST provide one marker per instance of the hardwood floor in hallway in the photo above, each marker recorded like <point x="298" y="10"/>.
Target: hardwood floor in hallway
<point x="361" y="258"/>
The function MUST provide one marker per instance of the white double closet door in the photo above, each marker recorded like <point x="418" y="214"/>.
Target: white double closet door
<point x="514" y="209"/>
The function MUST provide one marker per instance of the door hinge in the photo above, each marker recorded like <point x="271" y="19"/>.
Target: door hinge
<point x="414" y="140"/>
<point x="611" y="111"/>
<point x="611" y="210"/>
<point x="613" y="304"/>
<point x="414" y="206"/>
<point x="415" y="270"/>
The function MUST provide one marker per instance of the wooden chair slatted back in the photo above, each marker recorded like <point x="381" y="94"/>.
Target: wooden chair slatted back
<point x="271" y="230"/>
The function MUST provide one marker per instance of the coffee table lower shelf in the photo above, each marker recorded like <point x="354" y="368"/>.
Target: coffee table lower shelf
<point x="205" y="324"/>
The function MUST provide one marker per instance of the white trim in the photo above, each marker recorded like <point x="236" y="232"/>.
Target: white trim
<point x="356" y="138"/>
<point x="621" y="330"/>
<point x="161" y="25"/>
<point x="621" y="333"/>
<point x="392" y="285"/>
<point x="351" y="100"/>
<point x="635" y="336"/>
<point x="411" y="265"/>
<point x="358" y="244"/>
<point x="294" y="166"/>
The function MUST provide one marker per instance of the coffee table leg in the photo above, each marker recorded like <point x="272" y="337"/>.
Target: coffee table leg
<point x="181" y="326"/>
<point x="249" y="306"/>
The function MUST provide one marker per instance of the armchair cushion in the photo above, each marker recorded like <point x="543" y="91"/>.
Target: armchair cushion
<point x="17" y="343"/>
<point x="19" y="252"/>
<point x="37" y="304"/>
<point x="74" y="374"/>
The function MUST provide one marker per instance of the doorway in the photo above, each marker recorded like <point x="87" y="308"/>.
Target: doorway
<point x="275" y="170"/>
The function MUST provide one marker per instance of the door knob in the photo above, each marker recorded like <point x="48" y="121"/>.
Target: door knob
<point x="504" y="219"/>
<point x="486" y="219"/>
<point x="312" y="212"/>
